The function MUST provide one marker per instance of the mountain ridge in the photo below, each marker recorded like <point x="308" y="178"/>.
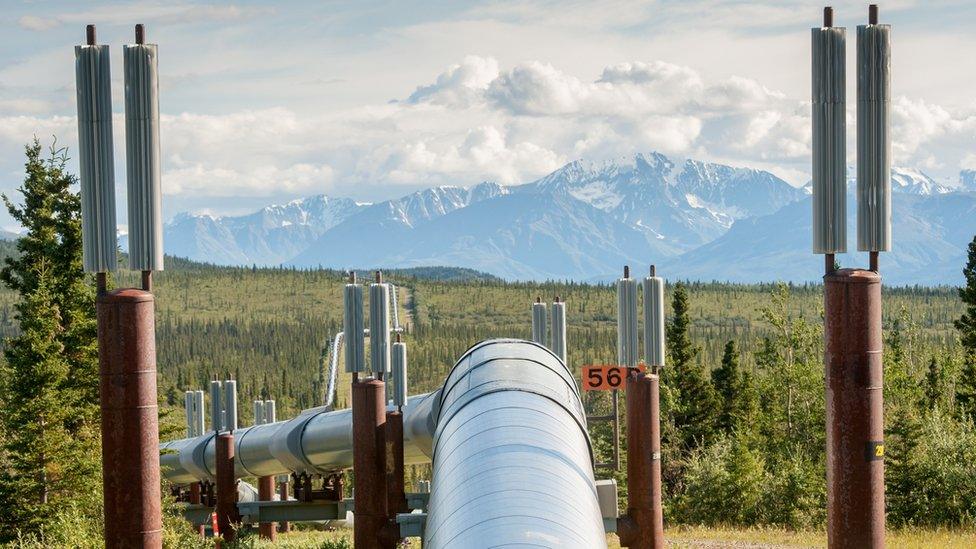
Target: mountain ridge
<point x="582" y="221"/>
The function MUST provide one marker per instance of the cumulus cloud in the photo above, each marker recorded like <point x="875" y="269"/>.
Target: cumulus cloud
<point x="478" y="120"/>
<point x="930" y="135"/>
<point x="461" y="84"/>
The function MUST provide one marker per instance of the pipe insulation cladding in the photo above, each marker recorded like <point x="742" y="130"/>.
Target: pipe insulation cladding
<point x="379" y="328"/>
<point x="512" y="462"/>
<point x="654" y="321"/>
<point x="317" y="441"/>
<point x="143" y="157"/>
<point x="558" y="335"/>
<point x="352" y="328"/>
<point x="873" y="138"/>
<point x="829" y="140"/>
<point x="539" y="323"/>
<point x="628" y="353"/>
<point x="93" y="81"/>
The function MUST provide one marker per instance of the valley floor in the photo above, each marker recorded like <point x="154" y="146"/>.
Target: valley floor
<point x="692" y="538"/>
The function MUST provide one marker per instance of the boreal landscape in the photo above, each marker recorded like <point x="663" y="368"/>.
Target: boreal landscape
<point x="742" y="392"/>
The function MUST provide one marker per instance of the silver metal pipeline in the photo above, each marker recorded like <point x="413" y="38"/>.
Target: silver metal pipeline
<point x="512" y="461"/>
<point x="316" y="441"/>
<point x="512" y="458"/>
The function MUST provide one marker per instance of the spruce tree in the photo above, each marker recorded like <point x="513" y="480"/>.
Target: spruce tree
<point x="933" y="384"/>
<point x="733" y="391"/>
<point x="45" y="465"/>
<point x="694" y="406"/>
<point x="966" y="324"/>
<point x="49" y="417"/>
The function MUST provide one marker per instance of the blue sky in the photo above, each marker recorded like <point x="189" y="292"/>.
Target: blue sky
<point x="263" y="102"/>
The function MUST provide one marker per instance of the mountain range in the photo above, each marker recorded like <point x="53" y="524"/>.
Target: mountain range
<point x="584" y="221"/>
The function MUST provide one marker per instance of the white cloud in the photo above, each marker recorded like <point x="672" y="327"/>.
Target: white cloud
<point x="538" y="89"/>
<point x="930" y="135"/>
<point x="199" y="179"/>
<point x="968" y="162"/>
<point x="35" y="23"/>
<point x="461" y="85"/>
<point x="147" y="12"/>
<point x="478" y="120"/>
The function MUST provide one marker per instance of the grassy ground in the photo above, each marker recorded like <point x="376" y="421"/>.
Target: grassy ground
<point x="703" y="538"/>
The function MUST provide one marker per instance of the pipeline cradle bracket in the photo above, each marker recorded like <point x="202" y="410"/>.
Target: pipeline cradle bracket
<point x="411" y="524"/>
<point x="254" y="512"/>
<point x="606" y="494"/>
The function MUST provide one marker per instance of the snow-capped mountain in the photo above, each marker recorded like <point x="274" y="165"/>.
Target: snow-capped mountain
<point x="268" y="236"/>
<point x="967" y="180"/>
<point x="903" y="180"/>
<point x="929" y="232"/>
<point x="639" y="207"/>
<point x="684" y="205"/>
<point x="912" y="181"/>
<point x="583" y="221"/>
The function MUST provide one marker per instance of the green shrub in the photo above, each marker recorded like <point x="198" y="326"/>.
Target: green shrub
<point x="931" y="473"/>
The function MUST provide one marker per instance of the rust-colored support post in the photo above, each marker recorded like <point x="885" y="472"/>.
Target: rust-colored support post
<point x="855" y="423"/>
<point x="227" y="515"/>
<point x="395" y="489"/>
<point x="643" y="524"/>
<point x="130" y="420"/>
<point x="196" y="498"/>
<point x="285" y="526"/>
<point x="266" y="489"/>
<point x="369" y="462"/>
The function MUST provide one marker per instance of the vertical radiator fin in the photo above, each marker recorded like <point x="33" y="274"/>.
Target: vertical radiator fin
<point x="559" y="330"/>
<point x="539" y="323"/>
<point x="873" y="138"/>
<point x="829" y="141"/>
<point x="96" y="158"/>
<point x="352" y="328"/>
<point x="628" y="353"/>
<point x="143" y="157"/>
<point x="654" y="321"/>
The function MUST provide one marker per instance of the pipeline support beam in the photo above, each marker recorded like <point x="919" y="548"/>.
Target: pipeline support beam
<point x="266" y="489"/>
<point x="227" y="515"/>
<point x="130" y="424"/>
<point x="643" y="524"/>
<point x="369" y="462"/>
<point x="855" y="422"/>
<point x="395" y="489"/>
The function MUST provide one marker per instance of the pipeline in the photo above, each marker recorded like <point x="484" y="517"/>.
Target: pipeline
<point x="512" y="460"/>
<point x="316" y="441"/>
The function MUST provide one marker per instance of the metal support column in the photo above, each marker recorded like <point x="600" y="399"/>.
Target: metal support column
<point x="643" y="524"/>
<point x="369" y="462"/>
<point x="227" y="515"/>
<point x="285" y="526"/>
<point x="196" y="499"/>
<point x="855" y="422"/>
<point x="266" y="488"/>
<point x="130" y="423"/>
<point x="395" y="490"/>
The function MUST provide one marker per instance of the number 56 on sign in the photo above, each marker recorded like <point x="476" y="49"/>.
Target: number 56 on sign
<point x="605" y="378"/>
